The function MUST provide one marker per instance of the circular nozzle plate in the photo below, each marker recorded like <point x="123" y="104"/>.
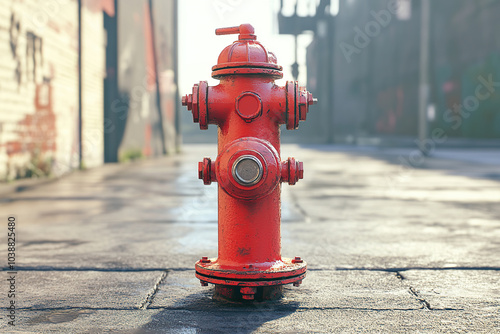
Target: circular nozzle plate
<point x="247" y="170"/>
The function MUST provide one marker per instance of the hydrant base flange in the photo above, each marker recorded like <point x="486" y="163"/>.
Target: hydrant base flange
<point x="283" y="272"/>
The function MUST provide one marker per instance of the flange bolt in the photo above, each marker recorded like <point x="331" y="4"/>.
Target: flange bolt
<point x="248" y="293"/>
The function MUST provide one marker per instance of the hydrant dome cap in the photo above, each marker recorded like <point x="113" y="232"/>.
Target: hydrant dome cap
<point x="245" y="56"/>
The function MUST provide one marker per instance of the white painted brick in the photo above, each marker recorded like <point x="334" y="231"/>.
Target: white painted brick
<point x="55" y="23"/>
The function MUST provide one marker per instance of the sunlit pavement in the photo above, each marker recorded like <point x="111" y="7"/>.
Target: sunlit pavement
<point x="389" y="248"/>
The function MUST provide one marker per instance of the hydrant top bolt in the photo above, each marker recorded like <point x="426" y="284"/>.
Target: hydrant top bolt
<point x="205" y="259"/>
<point x="297" y="260"/>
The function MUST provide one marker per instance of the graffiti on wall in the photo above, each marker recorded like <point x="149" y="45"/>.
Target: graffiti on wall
<point x="14" y="33"/>
<point x="32" y="57"/>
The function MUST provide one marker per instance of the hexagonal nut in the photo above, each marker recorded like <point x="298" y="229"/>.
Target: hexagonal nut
<point x="205" y="171"/>
<point x="300" y="169"/>
<point x="200" y="170"/>
<point x="205" y="259"/>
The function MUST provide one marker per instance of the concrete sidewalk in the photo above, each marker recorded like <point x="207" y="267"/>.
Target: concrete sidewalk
<point x="389" y="249"/>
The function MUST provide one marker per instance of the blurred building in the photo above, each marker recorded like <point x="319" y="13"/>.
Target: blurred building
<point x="85" y="82"/>
<point x="364" y="66"/>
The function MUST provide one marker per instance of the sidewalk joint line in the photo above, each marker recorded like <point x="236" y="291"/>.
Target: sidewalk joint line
<point x="43" y="268"/>
<point x="277" y="308"/>
<point x="399" y="270"/>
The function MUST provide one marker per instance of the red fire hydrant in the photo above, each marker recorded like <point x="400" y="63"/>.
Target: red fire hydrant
<point x="248" y="107"/>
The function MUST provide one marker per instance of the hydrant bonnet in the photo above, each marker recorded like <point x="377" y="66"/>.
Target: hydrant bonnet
<point x="245" y="56"/>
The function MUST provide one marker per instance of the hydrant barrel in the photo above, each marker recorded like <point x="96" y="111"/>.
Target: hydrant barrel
<point x="249" y="108"/>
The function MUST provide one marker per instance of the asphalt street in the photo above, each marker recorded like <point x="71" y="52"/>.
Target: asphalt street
<point x="389" y="247"/>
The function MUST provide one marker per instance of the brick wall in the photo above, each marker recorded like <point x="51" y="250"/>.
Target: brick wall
<point x="39" y="87"/>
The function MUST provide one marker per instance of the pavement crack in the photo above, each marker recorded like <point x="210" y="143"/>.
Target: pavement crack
<point x="414" y="292"/>
<point x="148" y="299"/>
<point x="399" y="276"/>
<point x="424" y="302"/>
<point x="299" y="208"/>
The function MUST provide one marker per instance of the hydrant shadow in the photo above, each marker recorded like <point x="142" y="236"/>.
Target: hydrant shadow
<point x="200" y="313"/>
